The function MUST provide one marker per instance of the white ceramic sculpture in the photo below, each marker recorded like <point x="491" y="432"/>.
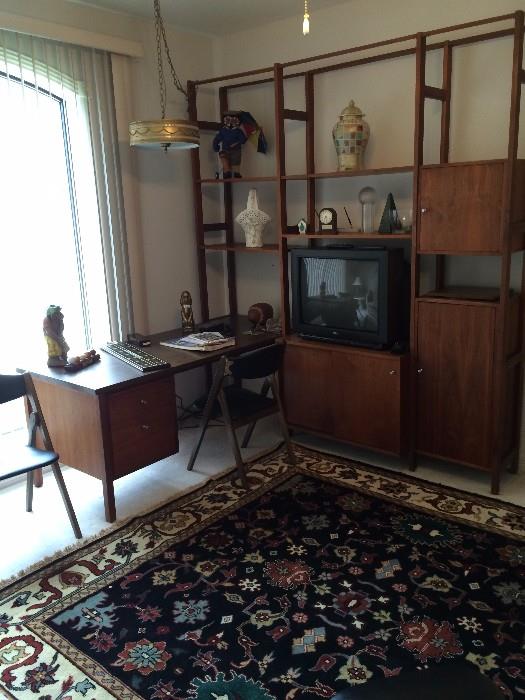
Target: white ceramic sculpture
<point x="253" y="220"/>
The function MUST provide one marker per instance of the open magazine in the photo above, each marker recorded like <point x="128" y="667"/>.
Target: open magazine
<point x="205" y="342"/>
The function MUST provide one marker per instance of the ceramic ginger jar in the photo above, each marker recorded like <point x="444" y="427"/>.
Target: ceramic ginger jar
<point x="252" y="221"/>
<point x="350" y="136"/>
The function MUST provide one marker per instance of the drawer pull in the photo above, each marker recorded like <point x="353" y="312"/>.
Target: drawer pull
<point x="420" y="370"/>
<point x="143" y="402"/>
<point x="392" y="371"/>
<point x="145" y="427"/>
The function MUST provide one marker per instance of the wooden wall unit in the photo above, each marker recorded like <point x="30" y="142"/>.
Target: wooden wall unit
<point x="457" y="393"/>
<point x="352" y="394"/>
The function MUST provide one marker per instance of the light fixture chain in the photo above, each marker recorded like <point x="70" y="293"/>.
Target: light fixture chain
<point x="174" y="75"/>
<point x="160" y="66"/>
<point x="161" y="36"/>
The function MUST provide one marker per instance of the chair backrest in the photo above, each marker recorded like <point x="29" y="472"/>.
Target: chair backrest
<point x="258" y="363"/>
<point x="12" y="386"/>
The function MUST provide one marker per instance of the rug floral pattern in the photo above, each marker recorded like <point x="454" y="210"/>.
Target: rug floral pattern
<point x="320" y="577"/>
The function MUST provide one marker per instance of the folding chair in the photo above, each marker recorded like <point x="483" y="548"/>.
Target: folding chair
<point x="240" y="406"/>
<point x="16" y="459"/>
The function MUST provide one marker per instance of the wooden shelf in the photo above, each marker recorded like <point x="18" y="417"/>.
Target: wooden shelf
<point x="313" y="176"/>
<point x="351" y="173"/>
<point x="351" y="235"/>
<point x="235" y="180"/>
<point x="240" y="248"/>
<point x="463" y="294"/>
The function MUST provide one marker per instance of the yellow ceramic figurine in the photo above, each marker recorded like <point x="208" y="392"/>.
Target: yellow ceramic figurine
<point x="57" y="347"/>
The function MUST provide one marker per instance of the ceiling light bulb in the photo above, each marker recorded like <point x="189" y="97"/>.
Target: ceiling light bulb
<point x="306" y="20"/>
<point x="306" y="24"/>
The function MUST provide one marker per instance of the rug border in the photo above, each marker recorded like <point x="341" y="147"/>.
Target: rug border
<point x="54" y="560"/>
<point x="488" y="500"/>
<point x="98" y="539"/>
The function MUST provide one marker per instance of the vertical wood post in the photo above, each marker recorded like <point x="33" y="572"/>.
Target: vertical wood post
<point x="419" y="130"/>
<point x="228" y="220"/>
<point x="282" y="221"/>
<point x="310" y="149"/>
<point x="197" y="207"/>
<point x="444" y="146"/>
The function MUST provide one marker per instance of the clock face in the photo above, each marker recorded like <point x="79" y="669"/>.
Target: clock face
<point x="326" y="216"/>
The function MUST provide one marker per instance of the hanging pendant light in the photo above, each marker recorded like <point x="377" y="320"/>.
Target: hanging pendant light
<point x="167" y="133"/>
<point x="306" y="19"/>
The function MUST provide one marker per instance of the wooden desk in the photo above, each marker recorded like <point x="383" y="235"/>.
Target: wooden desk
<point x="109" y="419"/>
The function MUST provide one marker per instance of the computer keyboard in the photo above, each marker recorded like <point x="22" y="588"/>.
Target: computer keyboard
<point x="134" y="356"/>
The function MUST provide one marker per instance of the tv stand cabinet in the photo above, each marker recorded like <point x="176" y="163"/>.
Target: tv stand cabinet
<point x="351" y="394"/>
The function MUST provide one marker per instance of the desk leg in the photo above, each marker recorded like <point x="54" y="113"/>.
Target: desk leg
<point x="38" y="479"/>
<point x="109" y="499"/>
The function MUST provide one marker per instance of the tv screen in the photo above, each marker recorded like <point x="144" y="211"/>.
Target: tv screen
<point x="348" y="295"/>
<point x="340" y="293"/>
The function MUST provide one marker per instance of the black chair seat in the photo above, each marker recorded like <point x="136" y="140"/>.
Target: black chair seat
<point x="243" y="403"/>
<point x="454" y="681"/>
<point x="20" y="459"/>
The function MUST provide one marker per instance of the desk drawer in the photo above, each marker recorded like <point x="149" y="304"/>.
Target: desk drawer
<point x="142" y="425"/>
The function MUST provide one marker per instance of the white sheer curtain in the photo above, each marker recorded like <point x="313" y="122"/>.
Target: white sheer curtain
<point x="62" y="228"/>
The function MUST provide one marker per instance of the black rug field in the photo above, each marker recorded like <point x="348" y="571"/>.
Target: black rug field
<point x="320" y="577"/>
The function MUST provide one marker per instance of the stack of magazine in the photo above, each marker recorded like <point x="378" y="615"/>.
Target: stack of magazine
<point x="205" y="342"/>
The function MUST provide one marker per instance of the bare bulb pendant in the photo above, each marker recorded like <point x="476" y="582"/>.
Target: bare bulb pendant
<point x="306" y="19"/>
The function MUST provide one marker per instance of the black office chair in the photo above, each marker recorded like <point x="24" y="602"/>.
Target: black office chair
<point x="16" y="459"/>
<point x="241" y="407"/>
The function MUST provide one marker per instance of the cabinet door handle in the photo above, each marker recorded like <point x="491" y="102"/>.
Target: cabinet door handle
<point x="420" y="370"/>
<point x="143" y="402"/>
<point x="424" y="210"/>
<point x="392" y="371"/>
<point x="145" y="427"/>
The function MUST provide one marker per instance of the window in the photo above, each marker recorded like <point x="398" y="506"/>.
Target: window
<point x="62" y="238"/>
<point x="47" y="256"/>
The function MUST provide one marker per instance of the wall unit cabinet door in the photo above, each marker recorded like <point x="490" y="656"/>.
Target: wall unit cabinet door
<point x="367" y="400"/>
<point x="307" y="379"/>
<point x="346" y="393"/>
<point x="461" y="208"/>
<point x="455" y="347"/>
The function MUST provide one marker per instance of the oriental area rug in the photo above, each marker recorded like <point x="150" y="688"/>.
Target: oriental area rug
<point x="319" y="577"/>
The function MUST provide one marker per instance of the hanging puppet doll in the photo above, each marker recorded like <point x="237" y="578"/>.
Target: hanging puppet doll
<point x="236" y="129"/>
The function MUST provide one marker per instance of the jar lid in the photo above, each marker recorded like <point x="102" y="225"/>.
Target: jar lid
<point x="352" y="110"/>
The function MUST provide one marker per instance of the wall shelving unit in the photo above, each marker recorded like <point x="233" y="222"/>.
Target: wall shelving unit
<point x="457" y="394"/>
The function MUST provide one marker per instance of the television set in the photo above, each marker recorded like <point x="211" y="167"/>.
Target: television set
<point x="350" y="295"/>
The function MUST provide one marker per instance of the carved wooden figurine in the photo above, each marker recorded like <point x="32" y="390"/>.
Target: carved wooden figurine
<point x="186" y="312"/>
<point x="53" y="327"/>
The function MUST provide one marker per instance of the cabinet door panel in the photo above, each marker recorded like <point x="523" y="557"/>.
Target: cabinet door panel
<point x="307" y="376"/>
<point x="455" y="345"/>
<point x="367" y="400"/>
<point x="461" y="208"/>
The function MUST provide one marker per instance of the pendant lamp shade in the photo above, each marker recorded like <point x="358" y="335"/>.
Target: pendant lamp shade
<point x="166" y="133"/>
